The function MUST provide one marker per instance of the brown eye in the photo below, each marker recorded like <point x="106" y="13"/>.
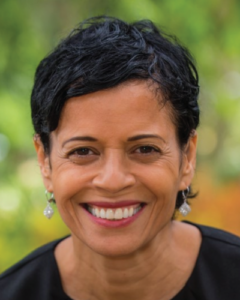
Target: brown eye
<point x="146" y="149"/>
<point x="82" y="152"/>
<point x="83" y="155"/>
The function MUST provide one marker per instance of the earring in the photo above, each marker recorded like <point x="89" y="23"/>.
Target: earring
<point x="48" y="211"/>
<point x="185" y="208"/>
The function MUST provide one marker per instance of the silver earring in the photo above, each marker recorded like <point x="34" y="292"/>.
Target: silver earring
<point x="185" y="208"/>
<point x="48" y="211"/>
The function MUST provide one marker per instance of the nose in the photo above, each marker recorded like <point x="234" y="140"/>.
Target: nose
<point x="114" y="174"/>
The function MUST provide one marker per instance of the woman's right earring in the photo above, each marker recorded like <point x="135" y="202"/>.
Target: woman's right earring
<point x="48" y="211"/>
<point x="185" y="208"/>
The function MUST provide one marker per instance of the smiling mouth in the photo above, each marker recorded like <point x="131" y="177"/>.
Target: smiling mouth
<point x="114" y="214"/>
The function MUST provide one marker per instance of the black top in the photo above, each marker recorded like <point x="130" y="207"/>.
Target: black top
<point x="216" y="275"/>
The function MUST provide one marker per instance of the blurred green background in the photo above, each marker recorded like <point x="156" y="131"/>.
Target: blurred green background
<point x="30" y="29"/>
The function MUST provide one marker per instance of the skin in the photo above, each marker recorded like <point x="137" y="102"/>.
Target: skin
<point x="152" y="257"/>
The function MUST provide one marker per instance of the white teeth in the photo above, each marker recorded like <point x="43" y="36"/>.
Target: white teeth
<point x="102" y="213"/>
<point x="92" y="211"/>
<point x="125" y="213"/>
<point x="118" y="214"/>
<point x="110" y="214"/>
<point x="136" y="209"/>
<point x="130" y="212"/>
<point x="97" y="212"/>
<point x="114" y="214"/>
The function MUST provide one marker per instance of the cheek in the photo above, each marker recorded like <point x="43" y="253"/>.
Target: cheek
<point x="161" y="185"/>
<point x="68" y="180"/>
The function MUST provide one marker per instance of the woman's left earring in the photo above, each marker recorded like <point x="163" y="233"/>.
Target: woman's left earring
<point x="185" y="208"/>
<point x="48" y="211"/>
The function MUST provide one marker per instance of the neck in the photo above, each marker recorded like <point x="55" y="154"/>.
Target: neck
<point x="94" y="276"/>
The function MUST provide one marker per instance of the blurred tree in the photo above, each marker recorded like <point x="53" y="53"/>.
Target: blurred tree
<point x="30" y="29"/>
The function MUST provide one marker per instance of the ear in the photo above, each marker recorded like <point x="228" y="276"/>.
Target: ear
<point x="188" y="162"/>
<point x="44" y="163"/>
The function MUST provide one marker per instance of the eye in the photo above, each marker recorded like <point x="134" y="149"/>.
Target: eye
<point x="146" y="150"/>
<point x="82" y="151"/>
<point x="82" y="155"/>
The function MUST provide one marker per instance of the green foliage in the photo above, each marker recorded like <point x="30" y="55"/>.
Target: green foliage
<point x="30" y="29"/>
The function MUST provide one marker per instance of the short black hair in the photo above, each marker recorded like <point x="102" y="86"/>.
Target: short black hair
<point x="103" y="52"/>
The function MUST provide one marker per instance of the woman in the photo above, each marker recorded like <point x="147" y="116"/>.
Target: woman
<point x="115" y="110"/>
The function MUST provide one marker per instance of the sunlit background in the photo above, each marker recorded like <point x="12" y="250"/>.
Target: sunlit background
<point x="29" y="29"/>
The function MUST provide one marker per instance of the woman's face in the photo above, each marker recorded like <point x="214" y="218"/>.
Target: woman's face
<point x="115" y="168"/>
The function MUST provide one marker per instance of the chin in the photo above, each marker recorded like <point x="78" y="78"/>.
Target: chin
<point x="115" y="251"/>
<point x="113" y="246"/>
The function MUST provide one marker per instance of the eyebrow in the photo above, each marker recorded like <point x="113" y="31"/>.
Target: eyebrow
<point x="131" y="139"/>
<point x="80" y="138"/>
<point x="145" y="136"/>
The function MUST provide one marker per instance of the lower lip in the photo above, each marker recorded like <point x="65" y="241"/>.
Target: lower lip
<point x="116" y="223"/>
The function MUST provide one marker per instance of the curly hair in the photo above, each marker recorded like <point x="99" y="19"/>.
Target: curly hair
<point x="103" y="52"/>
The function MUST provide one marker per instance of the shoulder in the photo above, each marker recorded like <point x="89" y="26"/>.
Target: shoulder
<point x="220" y="247"/>
<point x="213" y="237"/>
<point x="33" y="258"/>
<point x="30" y="276"/>
<point x="217" y="270"/>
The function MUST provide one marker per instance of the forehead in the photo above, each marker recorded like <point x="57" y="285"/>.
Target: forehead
<point x="129" y="106"/>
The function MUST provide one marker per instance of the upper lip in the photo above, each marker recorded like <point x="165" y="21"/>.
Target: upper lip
<point x="118" y="204"/>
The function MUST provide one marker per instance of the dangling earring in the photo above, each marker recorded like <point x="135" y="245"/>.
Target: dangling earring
<point x="48" y="211"/>
<point x="185" y="208"/>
